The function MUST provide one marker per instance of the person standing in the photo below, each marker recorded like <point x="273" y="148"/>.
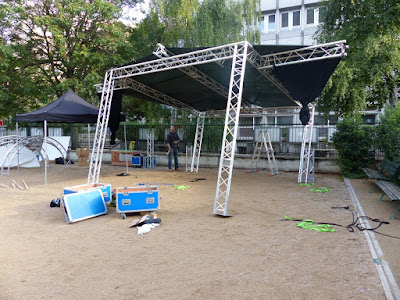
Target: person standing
<point x="172" y="142"/>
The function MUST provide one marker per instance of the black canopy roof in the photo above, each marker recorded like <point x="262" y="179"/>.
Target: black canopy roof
<point x="69" y="108"/>
<point x="303" y="81"/>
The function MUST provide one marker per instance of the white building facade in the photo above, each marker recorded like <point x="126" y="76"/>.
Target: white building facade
<point x="289" y="22"/>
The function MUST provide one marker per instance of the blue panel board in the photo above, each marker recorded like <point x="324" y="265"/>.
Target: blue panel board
<point x="105" y="189"/>
<point x="83" y="205"/>
<point x="132" y="199"/>
<point x="137" y="161"/>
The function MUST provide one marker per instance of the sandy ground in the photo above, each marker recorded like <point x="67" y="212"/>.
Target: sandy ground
<point x="193" y="254"/>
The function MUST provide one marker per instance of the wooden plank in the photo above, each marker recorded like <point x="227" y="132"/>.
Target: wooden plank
<point x="374" y="174"/>
<point x="390" y="189"/>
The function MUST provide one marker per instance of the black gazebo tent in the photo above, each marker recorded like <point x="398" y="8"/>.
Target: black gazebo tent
<point x="69" y="108"/>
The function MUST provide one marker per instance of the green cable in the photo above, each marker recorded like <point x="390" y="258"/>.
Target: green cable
<point x="181" y="187"/>
<point x="317" y="227"/>
<point x="309" y="224"/>
<point x="307" y="184"/>
<point x="321" y="190"/>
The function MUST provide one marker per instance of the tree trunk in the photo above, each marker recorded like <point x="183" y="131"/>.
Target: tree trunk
<point x="395" y="96"/>
<point x="395" y="92"/>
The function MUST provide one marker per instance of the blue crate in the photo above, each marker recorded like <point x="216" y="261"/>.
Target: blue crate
<point x="137" y="161"/>
<point x="104" y="187"/>
<point x="83" y="205"/>
<point x="134" y="199"/>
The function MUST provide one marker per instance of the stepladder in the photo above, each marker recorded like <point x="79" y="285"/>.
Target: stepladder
<point x="264" y="142"/>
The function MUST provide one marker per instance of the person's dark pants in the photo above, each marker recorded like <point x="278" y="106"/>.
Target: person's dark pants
<point x="173" y="152"/>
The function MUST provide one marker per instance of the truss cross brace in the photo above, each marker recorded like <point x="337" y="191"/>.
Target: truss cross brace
<point x="193" y="72"/>
<point x="197" y="143"/>
<point x="230" y="130"/>
<point x="306" y="168"/>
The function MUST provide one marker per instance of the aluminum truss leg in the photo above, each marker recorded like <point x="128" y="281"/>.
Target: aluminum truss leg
<point x="101" y="128"/>
<point x="230" y="130"/>
<point x="197" y="143"/>
<point x="306" y="169"/>
<point x="270" y="154"/>
<point x="189" y="153"/>
<point x="150" y="152"/>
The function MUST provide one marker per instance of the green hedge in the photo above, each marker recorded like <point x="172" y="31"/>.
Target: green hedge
<point x="388" y="134"/>
<point x="353" y="142"/>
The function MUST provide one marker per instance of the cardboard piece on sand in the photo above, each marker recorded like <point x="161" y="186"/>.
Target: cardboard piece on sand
<point x="138" y="221"/>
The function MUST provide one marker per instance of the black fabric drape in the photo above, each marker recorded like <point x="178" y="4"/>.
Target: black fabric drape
<point x="115" y="114"/>
<point x="305" y="81"/>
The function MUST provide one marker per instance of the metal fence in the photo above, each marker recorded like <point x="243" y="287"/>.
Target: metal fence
<point x="286" y="139"/>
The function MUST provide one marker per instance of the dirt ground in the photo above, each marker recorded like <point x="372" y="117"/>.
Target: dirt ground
<point x="193" y="254"/>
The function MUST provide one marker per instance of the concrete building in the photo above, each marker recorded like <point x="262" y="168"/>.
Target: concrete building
<point x="295" y="22"/>
<point x="289" y="22"/>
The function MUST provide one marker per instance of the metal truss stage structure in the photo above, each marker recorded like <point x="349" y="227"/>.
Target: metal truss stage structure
<point x="255" y="84"/>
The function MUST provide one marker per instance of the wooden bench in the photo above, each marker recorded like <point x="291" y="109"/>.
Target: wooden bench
<point x="389" y="167"/>
<point x="392" y="190"/>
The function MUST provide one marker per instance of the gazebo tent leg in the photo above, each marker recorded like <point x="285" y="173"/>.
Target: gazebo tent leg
<point x="17" y="132"/>
<point x="101" y="128"/>
<point x="197" y="143"/>
<point x="45" y="150"/>
<point x="230" y="129"/>
<point x="306" y="156"/>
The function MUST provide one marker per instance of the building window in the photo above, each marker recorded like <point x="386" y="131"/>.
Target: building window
<point x="284" y="120"/>
<point x="261" y="24"/>
<point x="271" y="120"/>
<point x="319" y="120"/>
<point x="296" y="18"/>
<point x="285" y="20"/>
<point x="369" y="119"/>
<point x="322" y="12"/>
<point x="271" y="23"/>
<point x="310" y="16"/>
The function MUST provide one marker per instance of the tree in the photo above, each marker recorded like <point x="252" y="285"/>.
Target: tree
<point x="370" y="72"/>
<point x="194" y="23"/>
<point x="388" y="134"/>
<point x="48" y="46"/>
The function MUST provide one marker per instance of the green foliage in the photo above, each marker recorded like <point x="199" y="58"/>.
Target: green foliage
<point x="353" y="142"/>
<point x="369" y="74"/>
<point x="48" y="46"/>
<point x="192" y="23"/>
<point x="388" y="134"/>
<point x="137" y="109"/>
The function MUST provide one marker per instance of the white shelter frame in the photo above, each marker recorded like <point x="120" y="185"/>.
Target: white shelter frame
<point x="240" y="53"/>
<point x="37" y="144"/>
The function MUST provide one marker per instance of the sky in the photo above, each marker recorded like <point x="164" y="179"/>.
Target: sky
<point x="131" y="16"/>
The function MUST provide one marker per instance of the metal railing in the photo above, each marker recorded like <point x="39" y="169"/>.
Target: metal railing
<point x="286" y="139"/>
